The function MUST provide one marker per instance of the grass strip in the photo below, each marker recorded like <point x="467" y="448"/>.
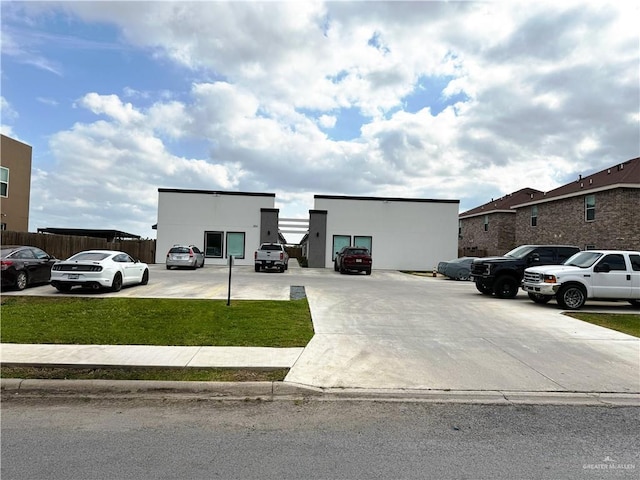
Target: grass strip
<point x="158" y="374"/>
<point x="146" y="321"/>
<point x="628" y="323"/>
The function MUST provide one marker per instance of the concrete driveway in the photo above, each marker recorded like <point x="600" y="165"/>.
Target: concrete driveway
<point x="397" y="331"/>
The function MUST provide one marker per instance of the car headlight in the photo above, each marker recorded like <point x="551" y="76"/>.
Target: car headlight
<point x="549" y="279"/>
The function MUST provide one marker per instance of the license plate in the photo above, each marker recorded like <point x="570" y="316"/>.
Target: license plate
<point x="73" y="276"/>
<point x="358" y="260"/>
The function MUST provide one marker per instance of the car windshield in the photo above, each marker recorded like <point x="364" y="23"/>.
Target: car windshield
<point x="88" y="256"/>
<point x="180" y="250"/>
<point x="358" y="251"/>
<point x="520" y="252"/>
<point x="583" y="259"/>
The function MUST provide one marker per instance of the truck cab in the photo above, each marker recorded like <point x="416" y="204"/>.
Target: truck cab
<point x="592" y="274"/>
<point x="502" y="276"/>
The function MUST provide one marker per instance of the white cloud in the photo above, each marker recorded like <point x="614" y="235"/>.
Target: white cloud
<point x="544" y="90"/>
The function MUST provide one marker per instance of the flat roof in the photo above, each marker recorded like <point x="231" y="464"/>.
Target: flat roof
<point x="388" y="199"/>
<point x="109" y="235"/>
<point x="215" y="192"/>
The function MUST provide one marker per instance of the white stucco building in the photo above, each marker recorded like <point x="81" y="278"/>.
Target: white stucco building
<point x="219" y="223"/>
<point x="402" y="233"/>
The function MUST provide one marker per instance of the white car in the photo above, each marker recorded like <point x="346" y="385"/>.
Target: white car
<point x="99" y="268"/>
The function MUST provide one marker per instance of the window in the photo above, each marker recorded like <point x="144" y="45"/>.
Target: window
<point x="615" y="261"/>
<point x="339" y="241"/>
<point x="590" y="208"/>
<point x="635" y="262"/>
<point x="534" y="216"/>
<point x="3" y="226"/>
<point x="459" y="228"/>
<point x="486" y="223"/>
<point x="213" y="244"/>
<point x="362" y="242"/>
<point x="235" y="244"/>
<point x="546" y="255"/>
<point x="4" y="182"/>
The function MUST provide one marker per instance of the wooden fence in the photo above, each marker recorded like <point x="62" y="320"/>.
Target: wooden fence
<point x="63" y="246"/>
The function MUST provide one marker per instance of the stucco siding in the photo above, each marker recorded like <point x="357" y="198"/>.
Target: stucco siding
<point x="184" y="217"/>
<point x="405" y="234"/>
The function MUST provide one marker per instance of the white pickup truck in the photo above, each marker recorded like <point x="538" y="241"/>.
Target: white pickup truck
<point x="591" y="274"/>
<point x="271" y="255"/>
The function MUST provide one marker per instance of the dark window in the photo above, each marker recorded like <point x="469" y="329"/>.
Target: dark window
<point x="615" y="261"/>
<point x="213" y="244"/>
<point x="179" y="250"/>
<point x="534" y="216"/>
<point x="547" y="255"/>
<point x="196" y="250"/>
<point x="635" y="262"/>
<point x="4" y="182"/>
<point x="486" y="223"/>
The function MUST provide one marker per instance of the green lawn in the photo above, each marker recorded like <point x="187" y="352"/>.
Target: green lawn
<point x="628" y="323"/>
<point x="142" y="321"/>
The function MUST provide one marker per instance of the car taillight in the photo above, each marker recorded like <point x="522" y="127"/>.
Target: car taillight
<point x="190" y="253"/>
<point x="5" y="263"/>
<point x="255" y="255"/>
<point x="281" y="256"/>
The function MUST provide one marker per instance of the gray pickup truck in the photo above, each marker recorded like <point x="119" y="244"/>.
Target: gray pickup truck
<point x="271" y="255"/>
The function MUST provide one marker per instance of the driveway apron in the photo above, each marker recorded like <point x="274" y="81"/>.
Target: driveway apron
<point x="398" y="331"/>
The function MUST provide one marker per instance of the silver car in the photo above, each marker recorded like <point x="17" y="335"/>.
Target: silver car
<point x="188" y="256"/>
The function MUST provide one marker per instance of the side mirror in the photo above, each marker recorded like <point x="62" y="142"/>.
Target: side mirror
<point x="603" y="268"/>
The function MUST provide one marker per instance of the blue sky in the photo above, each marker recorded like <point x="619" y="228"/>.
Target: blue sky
<point x="443" y="100"/>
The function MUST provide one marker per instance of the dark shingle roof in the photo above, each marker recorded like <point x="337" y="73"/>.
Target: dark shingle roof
<point x="622" y="174"/>
<point x="503" y="204"/>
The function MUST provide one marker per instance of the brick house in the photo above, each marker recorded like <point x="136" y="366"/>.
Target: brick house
<point x="490" y="229"/>
<point x="601" y="210"/>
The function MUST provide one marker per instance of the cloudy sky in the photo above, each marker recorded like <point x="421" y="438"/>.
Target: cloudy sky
<point x="441" y="100"/>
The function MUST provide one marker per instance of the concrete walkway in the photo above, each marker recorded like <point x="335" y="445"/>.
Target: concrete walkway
<point x="92" y="356"/>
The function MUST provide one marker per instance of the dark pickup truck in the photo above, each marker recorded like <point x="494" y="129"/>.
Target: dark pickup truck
<point x="502" y="276"/>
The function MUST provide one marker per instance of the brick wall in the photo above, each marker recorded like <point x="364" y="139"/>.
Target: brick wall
<point x="497" y="240"/>
<point x="616" y="224"/>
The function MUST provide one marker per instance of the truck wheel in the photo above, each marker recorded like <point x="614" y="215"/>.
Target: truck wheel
<point x="539" y="298"/>
<point x="257" y="268"/>
<point x="571" y="297"/>
<point x="482" y="288"/>
<point x="506" y="287"/>
<point x="281" y="268"/>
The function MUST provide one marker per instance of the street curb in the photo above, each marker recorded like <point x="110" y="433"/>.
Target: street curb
<point x="150" y="389"/>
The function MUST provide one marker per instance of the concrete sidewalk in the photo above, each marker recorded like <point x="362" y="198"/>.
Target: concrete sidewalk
<point x="91" y="356"/>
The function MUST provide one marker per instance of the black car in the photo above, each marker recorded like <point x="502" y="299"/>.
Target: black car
<point x="22" y="266"/>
